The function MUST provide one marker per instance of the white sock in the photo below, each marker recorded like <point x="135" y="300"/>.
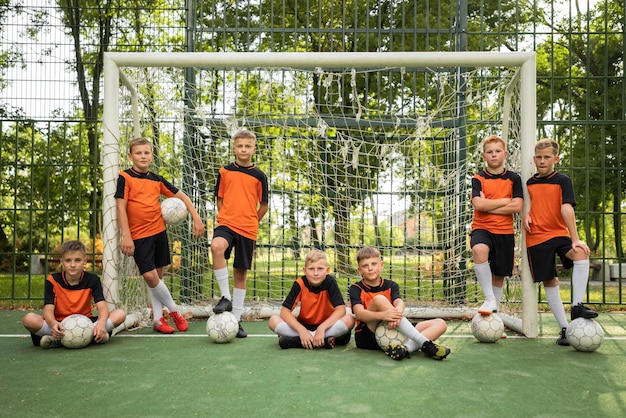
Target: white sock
<point x="163" y="294"/>
<point x="497" y="292"/>
<point x="45" y="330"/>
<point x="409" y="330"/>
<point x="556" y="305"/>
<point x="221" y="276"/>
<point x="338" y="329"/>
<point x="483" y="275"/>
<point x="411" y="345"/>
<point x="109" y="325"/>
<point x="239" y="295"/>
<point x="284" y="330"/>
<point x="157" y="306"/>
<point x="580" y="276"/>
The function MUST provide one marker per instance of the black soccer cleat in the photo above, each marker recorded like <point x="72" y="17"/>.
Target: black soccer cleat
<point x="562" y="340"/>
<point x="289" y="342"/>
<point x="224" y="305"/>
<point x="435" y="351"/>
<point x="329" y="342"/>
<point x="581" y="311"/>
<point x="397" y="352"/>
<point x="240" y="332"/>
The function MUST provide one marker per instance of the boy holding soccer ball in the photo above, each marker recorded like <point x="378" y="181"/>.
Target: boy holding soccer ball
<point x="322" y="320"/>
<point x="241" y="193"/>
<point x="143" y="230"/>
<point x="375" y="299"/>
<point x="550" y="231"/>
<point x="71" y="292"/>
<point x="496" y="195"/>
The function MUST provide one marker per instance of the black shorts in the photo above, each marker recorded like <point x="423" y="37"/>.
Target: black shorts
<point x="365" y="338"/>
<point x="152" y="252"/>
<point x="501" y="250"/>
<point x="244" y="247"/>
<point x="542" y="258"/>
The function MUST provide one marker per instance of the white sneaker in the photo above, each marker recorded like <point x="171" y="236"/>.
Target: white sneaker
<point x="488" y="307"/>
<point x="48" y="342"/>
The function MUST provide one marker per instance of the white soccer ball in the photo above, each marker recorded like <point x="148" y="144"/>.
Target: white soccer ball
<point x="487" y="328"/>
<point x="78" y="331"/>
<point x="174" y="211"/>
<point x="584" y="334"/>
<point x="222" y="328"/>
<point x="386" y="337"/>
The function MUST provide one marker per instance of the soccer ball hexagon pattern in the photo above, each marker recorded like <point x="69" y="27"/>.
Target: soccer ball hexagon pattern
<point x="584" y="334"/>
<point x="386" y="337"/>
<point x="78" y="331"/>
<point x="222" y="328"/>
<point x="174" y="211"/>
<point x="487" y="328"/>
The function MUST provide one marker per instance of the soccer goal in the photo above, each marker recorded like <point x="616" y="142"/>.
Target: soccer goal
<point x="359" y="148"/>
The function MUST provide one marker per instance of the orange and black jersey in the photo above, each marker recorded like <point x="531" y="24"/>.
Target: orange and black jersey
<point x="547" y="195"/>
<point x="72" y="299"/>
<point x="316" y="303"/>
<point x="142" y="192"/>
<point x="242" y="189"/>
<point x="496" y="186"/>
<point x="362" y="294"/>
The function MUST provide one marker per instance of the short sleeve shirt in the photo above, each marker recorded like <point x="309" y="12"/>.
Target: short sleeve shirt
<point x="72" y="299"/>
<point x="316" y="303"/>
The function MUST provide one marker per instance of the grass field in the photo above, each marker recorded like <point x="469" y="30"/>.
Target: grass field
<point x="142" y="374"/>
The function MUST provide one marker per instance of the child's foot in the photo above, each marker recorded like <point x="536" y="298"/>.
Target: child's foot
<point x="105" y="340"/>
<point x="224" y="305"/>
<point x="163" y="327"/>
<point x="329" y="342"/>
<point x="241" y="333"/>
<point x="289" y="342"/>
<point x="48" y="342"/>
<point x="435" y="351"/>
<point x="397" y="351"/>
<point x="488" y="307"/>
<point x="180" y="321"/>
<point x="342" y="339"/>
<point x="562" y="340"/>
<point x="581" y="311"/>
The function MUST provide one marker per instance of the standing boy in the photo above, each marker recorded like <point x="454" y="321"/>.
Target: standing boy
<point x="71" y="292"/>
<point x="322" y="320"/>
<point x="496" y="195"/>
<point x="551" y="230"/>
<point x="375" y="299"/>
<point x="242" y="201"/>
<point x="144" y="236"/>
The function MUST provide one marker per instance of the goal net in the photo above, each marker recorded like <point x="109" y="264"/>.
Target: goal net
<point x="359" y="149"/>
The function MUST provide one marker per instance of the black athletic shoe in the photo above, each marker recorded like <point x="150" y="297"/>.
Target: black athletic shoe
<point x="289" y="342"/>
<point x="435" y="351"/>
<point x="342" y="339"/>
<point x="36" y="339"/>
<point x="397" y="352"/>
<point x="562" y="340"/>
<point x="224" y="305"/>
<point x="329" y="342"/>
<point x="241" y="333"/>
<point x="581" y="311"/>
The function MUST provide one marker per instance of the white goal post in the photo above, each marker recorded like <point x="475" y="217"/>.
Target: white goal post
<point x="115" y="62"/>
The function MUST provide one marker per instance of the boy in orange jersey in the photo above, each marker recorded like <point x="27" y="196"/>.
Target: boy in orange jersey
<point x="71" y="292"/>
<point x="322" y="320"/>
<point x="242" y="200"/>
<point x="496" y="195"/>
<point x="375" y="299"/>
<point x="144" y="236"/>
<point x="550" y="231"/>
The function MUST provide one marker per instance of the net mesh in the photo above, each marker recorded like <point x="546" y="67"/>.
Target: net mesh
<point x="354" y="157"/>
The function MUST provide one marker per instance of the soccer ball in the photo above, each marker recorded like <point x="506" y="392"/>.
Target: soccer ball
<point x="487" y="328"/>
<point x="222" y="328"/>
<point x="386" y="337"/>
<point x="174" y="211"/>
<point x="584" y="334"/>
<point x="78" y="331"/>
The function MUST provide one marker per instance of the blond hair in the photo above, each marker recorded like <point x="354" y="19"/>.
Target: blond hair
<point x="138" y="141"/>
<point x="244" y="133"/>
<point x="368" y="252"/>
<point x="314" y="256"/>
<point x="547" y="143"/>
<point x="493" y="139"/>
